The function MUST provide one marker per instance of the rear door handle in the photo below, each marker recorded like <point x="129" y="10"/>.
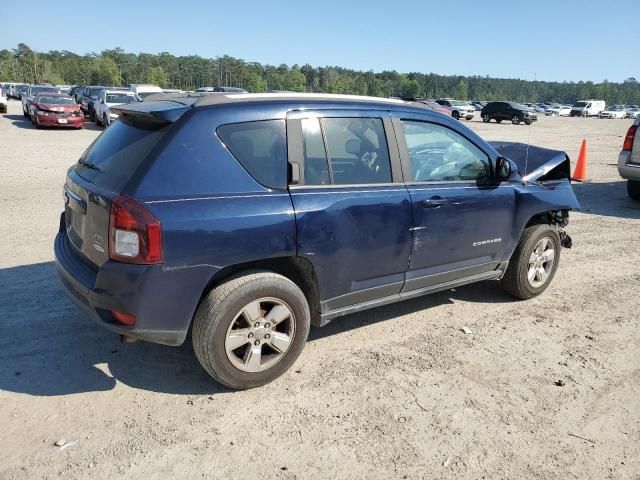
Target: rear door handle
<point x="434" y="202"/>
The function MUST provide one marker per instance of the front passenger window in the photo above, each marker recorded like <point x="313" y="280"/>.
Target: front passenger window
<point x="439" y="154"/>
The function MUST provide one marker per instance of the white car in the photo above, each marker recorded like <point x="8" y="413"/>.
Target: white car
<point x="559" y="111"/>
<point x="614" y="111"/>
<point x="3" y="101"/>
<point x="629" y="160"/>
<point x="106" y="100"/>
<point x="143" y="90"/>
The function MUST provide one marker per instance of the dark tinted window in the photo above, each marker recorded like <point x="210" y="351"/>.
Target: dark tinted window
<point x="35" y="90"/>
<point x="357" y="151"/>
<point x="261" y="148"/>
<point x="438" y="154"/>
<point x="117" y="153"/>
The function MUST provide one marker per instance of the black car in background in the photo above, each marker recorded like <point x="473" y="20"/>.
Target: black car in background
<point x="511" y="111"/>
<point x="90" y="95"/>
<point x="76" y="93"/>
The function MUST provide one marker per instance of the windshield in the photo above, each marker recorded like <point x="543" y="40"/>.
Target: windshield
<point x="22" y="88"/>
<point x="56" y="100"/>
<point x="120" y="98"/>
<point x="35" y="90"/>
<point x="517" y="106"/>
<point x="581" y="104"/>
<point x="94" y="92"/>
<point x="457" y="103"/>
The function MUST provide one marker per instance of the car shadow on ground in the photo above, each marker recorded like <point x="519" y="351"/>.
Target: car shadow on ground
<point x="21" y="121"/>
<point x="49" y="348"/>
<point x="608" y="199"/>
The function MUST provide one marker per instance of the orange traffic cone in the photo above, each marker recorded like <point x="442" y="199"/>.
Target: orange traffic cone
<point x="580" y="173"/>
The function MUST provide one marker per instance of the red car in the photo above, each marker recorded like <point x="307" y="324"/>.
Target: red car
<point x="56" y="110"/>
<point x="437" y="107"/>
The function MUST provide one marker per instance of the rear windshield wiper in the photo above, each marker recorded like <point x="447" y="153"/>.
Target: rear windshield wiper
<point x="90" y="165"/>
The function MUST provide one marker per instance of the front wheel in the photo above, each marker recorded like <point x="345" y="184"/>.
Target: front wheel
<point x="534" y="262"/>
<point x="633" y="189"/>
<point x="456" y="115"/>
<point x="250" y="329"/>
<point x="515" y="120"/>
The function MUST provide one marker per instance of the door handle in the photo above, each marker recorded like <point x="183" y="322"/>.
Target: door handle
<point x="434" y="202"/>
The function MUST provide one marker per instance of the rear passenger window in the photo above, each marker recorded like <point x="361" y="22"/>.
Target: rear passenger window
<point x="345" y="151"/>
<point x="261" y="149"/>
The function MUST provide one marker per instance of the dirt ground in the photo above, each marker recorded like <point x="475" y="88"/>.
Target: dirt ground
<point x="547" y="388"/>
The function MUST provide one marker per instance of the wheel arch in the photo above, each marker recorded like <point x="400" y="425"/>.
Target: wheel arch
<point x="297" y="269"/>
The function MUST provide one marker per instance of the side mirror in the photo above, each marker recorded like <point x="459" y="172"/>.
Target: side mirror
<point x="102" y="101"/>
<point x="505" y="169"/>
<point x="353" y="147"/>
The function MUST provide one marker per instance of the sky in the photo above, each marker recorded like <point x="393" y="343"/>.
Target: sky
<point x="572" y="40"/>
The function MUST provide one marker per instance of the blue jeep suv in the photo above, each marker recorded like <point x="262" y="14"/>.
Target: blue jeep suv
<point x="249" y="217"/>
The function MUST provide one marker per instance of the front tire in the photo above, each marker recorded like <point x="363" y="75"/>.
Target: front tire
<point x="456" y="115"/>
<point x="533" y="263"/>
<point x="250" y="329"/>
<point x="633" y="189"/>
<point x="515" y="120"/>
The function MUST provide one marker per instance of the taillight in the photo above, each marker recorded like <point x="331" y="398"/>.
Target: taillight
<point x="135" y="235"/>
<point x="627" y="146"/>
<point x="124" y="318"/>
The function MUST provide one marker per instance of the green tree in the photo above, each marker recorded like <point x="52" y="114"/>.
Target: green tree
<point x="157" y="76"/>
<point x="461" y="92"/>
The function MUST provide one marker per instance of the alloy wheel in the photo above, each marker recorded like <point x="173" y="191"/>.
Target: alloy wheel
<point x="541" y="262"/>
<point x="260" y="335"/>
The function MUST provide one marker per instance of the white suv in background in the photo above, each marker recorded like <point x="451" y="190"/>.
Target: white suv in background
<point x="629" y="161"/>
<point x="458" y="108"/>
<point x="107" y="99"/>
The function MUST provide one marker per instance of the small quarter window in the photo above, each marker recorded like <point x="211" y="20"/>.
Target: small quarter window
<point x="261" y="149"/>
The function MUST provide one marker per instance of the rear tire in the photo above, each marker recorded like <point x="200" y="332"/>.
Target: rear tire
<point x="456" y="115"/>
<point x="486" y="118"/>
<point x="633" y="189"/>
<point x="227" y="309"/>
<point x="533" y="254"/>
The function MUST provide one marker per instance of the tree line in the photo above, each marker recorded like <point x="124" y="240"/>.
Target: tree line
<point x="115" y="67"/>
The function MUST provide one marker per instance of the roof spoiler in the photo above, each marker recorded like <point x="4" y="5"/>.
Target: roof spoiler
<point x="163" y="111"/>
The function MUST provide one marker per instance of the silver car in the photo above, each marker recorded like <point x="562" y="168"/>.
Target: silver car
<point x="629" y="161"/>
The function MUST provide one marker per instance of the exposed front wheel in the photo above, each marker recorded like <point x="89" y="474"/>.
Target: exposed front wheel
<point x="250" y="329"/>
<point x="534" y="262"/>
<point x="633" y="189"/>
<point x="515" y="120"/>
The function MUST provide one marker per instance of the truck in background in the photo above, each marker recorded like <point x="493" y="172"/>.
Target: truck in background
<point x="587" y="108"/>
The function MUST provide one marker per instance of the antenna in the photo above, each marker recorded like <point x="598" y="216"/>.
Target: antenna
<point x="526" y="157"/>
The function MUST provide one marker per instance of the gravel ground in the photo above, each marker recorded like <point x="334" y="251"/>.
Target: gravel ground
<point x="547" y="388"/>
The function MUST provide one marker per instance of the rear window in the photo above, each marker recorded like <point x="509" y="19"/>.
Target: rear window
<point x="35" y="90"/>
<point x="116" y="154"/>
<point x="261" y="148"/>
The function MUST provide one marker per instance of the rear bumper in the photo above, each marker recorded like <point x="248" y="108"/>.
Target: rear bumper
<point x="627" y="170"/>
<point x="141" y="290"/>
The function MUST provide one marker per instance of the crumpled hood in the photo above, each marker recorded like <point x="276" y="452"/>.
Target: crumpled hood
<point x="534" y="162"/>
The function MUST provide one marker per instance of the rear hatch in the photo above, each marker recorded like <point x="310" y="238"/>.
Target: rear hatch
<point x="104" y="171"/>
